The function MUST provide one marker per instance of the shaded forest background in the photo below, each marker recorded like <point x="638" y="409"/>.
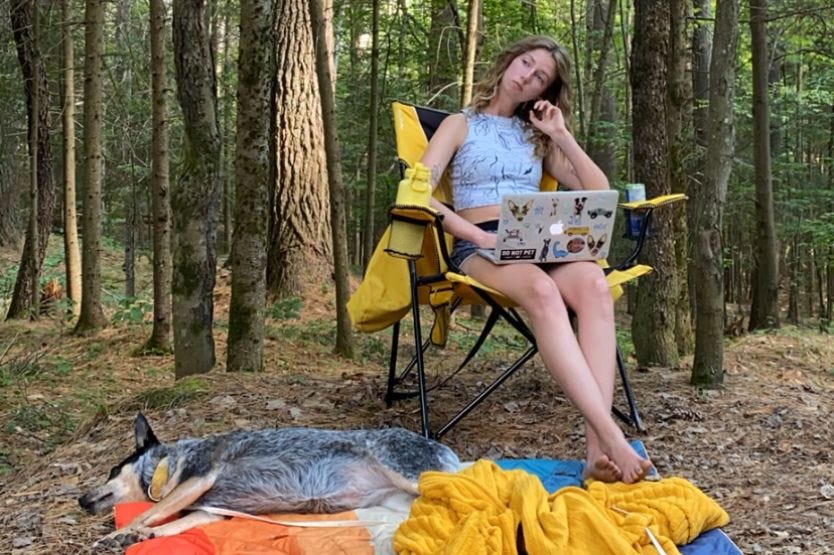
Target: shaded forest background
<point x="774" y="207"/>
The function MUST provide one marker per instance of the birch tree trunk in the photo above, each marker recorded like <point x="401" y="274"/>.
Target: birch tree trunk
<point x="256" y="69"/>
<point x="160" y="339"/>
<point x="708" y="198"/>
<point x="653" y="327"/>
<point x="764" y="309"/>
<point x="195" y="194"/>
<point x="72" y="254"/>
<point x="92" y="314"/>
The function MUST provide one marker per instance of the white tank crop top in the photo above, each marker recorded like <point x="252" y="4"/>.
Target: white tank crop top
<point x="496" y="158"/>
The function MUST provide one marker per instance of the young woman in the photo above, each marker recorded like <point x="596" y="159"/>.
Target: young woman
<point x="514" y="128"/>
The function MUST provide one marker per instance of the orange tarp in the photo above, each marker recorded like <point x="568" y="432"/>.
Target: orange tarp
<point x="239" y="535"/>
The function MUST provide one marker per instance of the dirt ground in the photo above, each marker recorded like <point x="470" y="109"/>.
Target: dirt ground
<point x="761" y="445"/>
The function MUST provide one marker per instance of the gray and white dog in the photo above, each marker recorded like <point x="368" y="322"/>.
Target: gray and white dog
<point x="263" y="472"/>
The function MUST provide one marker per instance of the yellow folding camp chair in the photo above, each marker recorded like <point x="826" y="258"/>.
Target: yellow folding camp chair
<point x="411" y="267"/>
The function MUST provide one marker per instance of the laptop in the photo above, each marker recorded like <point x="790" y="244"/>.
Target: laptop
<point x="561" y="226"/>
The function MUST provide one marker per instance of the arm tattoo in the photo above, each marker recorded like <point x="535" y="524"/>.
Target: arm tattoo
<point x="434" y="177"/>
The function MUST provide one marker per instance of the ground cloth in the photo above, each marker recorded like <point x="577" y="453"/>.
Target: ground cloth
<point x="482" y="509"/>
<point x="236" y="535"/>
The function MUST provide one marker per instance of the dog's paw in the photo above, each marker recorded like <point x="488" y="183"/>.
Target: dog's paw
<point x="123" y="538"/>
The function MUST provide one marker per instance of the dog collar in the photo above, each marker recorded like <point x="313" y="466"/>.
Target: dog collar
<point x="158" y="480"/>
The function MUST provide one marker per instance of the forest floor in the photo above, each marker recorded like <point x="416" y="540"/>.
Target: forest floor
<point x="760" y="445"/>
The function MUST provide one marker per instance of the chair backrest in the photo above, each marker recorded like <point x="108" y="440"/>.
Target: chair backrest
<point x="414" y="127"/>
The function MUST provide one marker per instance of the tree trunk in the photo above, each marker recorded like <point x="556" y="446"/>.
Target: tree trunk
<point x="160" y="339"/>
<point x="679" y="126"/>
<point x="256" y="70"/>
<point x="578" y="79"/>
<point x="122" y="71"/>
<point x="473" y="20"/>
<point x="92" y="315"/>
<point x="72" y="254"/>
<point x="701" y="52"/>
<point x="764" y="309"/>
<point x="34" y="76"/>
<point x="603" y="23"/>
<point x="299" y="230"/>
<point x="322" y="40"/>
<point x="9" y="220"/>
<point x="195" y="194"/>
<point x="601" y="140"/>
<point x="627" y="109"/>
<point x="444" y="56"/>
<point x="373" y="123"/>
<point x="226" y="95"/>
<point x="701" y="56"/>
<point x="708" y="197"/>
<point x="653" y="327"/>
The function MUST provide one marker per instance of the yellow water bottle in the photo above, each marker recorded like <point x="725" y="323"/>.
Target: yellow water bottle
<point x="414" y="189"/>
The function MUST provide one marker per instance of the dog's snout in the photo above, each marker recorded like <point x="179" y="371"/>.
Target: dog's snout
<point x="86" y="503"/>
<point x="91" y="502"/>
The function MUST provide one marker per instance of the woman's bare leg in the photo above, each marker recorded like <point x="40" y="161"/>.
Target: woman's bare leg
<point x="585" y="290"/>
<point x="538" y="294"/>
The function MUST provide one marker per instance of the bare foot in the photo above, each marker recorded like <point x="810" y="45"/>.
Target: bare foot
<point x="603" y="469"/>
<point x="633" y="466"/>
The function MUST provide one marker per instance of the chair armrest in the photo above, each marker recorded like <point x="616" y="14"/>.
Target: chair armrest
<point x="646" y="208"/>
<point x="656" y="202"/>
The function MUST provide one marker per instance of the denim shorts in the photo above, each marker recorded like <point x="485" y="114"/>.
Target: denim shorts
<point x="463" y="249"/>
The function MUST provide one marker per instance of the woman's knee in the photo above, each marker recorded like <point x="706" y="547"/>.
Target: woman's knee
<point x="595" y="293"/>
<point x="542" y="294"/>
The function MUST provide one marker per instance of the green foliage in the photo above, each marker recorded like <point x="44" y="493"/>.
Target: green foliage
<point x="5" y="465"/>
<point x="625" y="343"/>
<point x="132" y="310"/>
<point x="287" y="308"/>
<point x="373" y="349"/>
<point x="21" y="367"/>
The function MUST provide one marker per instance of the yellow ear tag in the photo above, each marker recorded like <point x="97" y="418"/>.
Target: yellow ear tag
<point x="158" y="481"/>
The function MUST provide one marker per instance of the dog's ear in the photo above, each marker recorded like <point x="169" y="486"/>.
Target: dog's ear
<point x="145" y="437"/>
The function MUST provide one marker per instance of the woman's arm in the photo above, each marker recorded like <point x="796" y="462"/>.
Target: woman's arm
<point x="442" y="147"/>
<point x="566" y="161"/>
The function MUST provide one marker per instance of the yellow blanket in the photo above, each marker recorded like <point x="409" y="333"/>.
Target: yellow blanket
<point x="482" y="509"/>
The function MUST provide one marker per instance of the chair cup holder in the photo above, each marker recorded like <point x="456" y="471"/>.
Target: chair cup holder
<point x="406" y="239"/>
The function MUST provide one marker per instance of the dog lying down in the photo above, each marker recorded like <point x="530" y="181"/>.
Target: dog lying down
<point x="299" y="470"/>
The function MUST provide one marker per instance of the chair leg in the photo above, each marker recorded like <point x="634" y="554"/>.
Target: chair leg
<point x="532" y="350"/>
<point x="488" y="325"/>
<point x="418" y="351"/>
<point x="633" y="417"/>
<point x="392" y="364"/>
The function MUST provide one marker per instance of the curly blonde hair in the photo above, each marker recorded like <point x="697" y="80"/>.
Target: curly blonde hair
<point x="558" y="93"/>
